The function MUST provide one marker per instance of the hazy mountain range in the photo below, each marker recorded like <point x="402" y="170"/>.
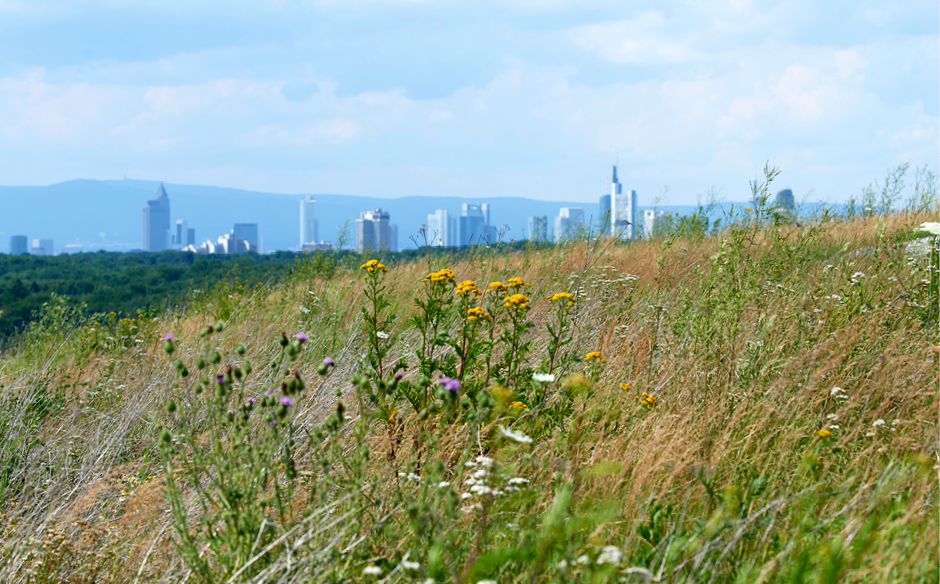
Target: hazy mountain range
<point x="89" y="215"/>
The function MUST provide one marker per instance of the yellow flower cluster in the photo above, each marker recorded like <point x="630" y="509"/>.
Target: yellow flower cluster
<point x="518" y="405"/>
<point x="497" y="288"/>
<point x="444" y="275"/>
<point x="516" y="283"/>
<point x="626" y="387"/>
<point x="518" y="301"/>
<point x="373" y="266"/>
<point x="594" y="355"/>
<point x="824" y="433"/>
<point x="646" y="399"/>
<point x="561" y="296"/>
<point x="476" y="312"/>
<point x="467" y="287"/>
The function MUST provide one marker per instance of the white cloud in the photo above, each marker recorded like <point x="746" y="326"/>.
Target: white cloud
<point x="636" y="40"/>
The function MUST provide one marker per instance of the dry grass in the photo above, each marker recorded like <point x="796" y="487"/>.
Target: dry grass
<point x="740" y="404"/>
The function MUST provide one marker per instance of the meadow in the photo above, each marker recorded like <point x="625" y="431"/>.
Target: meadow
<point x="754" y="404"/>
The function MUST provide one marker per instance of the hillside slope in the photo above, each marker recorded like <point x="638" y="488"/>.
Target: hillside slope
<point x="759" y="406"/>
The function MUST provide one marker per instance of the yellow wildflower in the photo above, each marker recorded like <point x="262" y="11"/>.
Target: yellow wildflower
<point x="516" y="283"/>
<point x="497" y="287"/>
<point x="373" y="266"/>
<point x="467" y="287"/>
<point x="518" y="301"/>
<point x="476" y="312"/>
<point x="561" y="296"/>
<point x="626" y="386"/>
<point x="647" y="399"/>
<point x="824" y="433"/>
<point x="518" y="405"/>
<point x="594" y="355"/>
<point x="444" y="275"/>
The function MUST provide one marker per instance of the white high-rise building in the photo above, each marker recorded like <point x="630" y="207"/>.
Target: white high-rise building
<point x="42" y="247"/>
<point x="569" y="223"/>
<point x="180" y="237"/>
<point x="441" y="229"/>
<point x="308" y="222"/>
<point x="374" y="232"/>
<point x="623" y="210"/>
<point x="157" y="222"/>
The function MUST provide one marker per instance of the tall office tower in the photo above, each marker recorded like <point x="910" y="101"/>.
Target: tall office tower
<point x="18" y="245"/>
<point x="649" y="220"/>
<point x="309" y="228"/>
<point x="42" y="247"/>
<point x="372" y="231"/>
<point x="439" y="229"/>
<point x="393" y="237"/>
<point x="179" y="236"/>
<point x="604" y="218"/>
<point x="538" y="229"/>
<point x="569" y="223"/>
<point x="157" y="222"/>
<point x="247" y="232"/>
<point x="623" y="210"/>
<point x="474" y="226"/>
<point x="785" y="200"/>
<point x="191" y="236"/>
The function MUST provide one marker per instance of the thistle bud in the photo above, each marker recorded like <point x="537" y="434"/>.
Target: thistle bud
<point x="168" y="347"/>
<point x="215" y="357"/>
<point x="241" y="350"/>
<point x="170" y="407"/>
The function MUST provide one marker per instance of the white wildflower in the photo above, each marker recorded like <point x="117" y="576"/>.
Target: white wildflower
<point x="832" y="417"/>
<point x="878" y="422"/>
<point x="372" y="571"/>
<point x="465" y="495"/>
<point x="834" y="426"/>
<point x="543" y="377"/>
<point x="430" y="581"/>
<point x="562" y="565"/>
<point x="582" y="560"/>
<point x="518" y="481"/>
<point x="485" y="461"/>
<point x="896" y="422"/>
<point x="382" y="335"/>
<point x="514" y="436"/>
<point x="610" y="554"/>
<point x="304" y="310"/>
<point x="410" y="565"/>
<point x="869" y="434"/>
<point x="931" y="227"/>
<point x="486" y="581"/>
<point x="443" y="484"/>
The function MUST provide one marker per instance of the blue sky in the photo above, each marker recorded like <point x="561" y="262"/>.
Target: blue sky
<point x="525" y="98"/>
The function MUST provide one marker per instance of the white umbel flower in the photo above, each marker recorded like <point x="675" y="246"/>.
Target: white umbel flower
<point x="543" y="377"/>
<point x="514" y="436"/>
<point x="931" y="227"/>
<point x="372" y="571"/>
<point x="610" y="554"/>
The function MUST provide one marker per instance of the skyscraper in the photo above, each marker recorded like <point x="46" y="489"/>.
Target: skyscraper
<point x="42" y="247"/>
<point x="247" y="232"/>
<point x="440" y="229"/>
<point x="538" y="229"/>
<point x="157" y="222"/>
<point x="474" y="226"/>
<point x="785" y="200"/>
<point x="569" y="223"/>
<point x="373" y="231"/>
<point x="623" y="210"/>
<point x="18" y="245"/>
<point x="604" y="218"/>
<point x="309" y="227"/>
<point x="180" y="237"/>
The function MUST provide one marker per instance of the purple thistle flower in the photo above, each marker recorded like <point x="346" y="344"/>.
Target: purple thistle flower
<point x="168" y="337"/>
<point x="220" y="379"/>
<point x="399" y="375"/>
<point x="251" y="400"/>
<point x="267" y="393"/>
<point x="232" y="410"/>
<point x="302" y="338"/>
<point x="286" y="401"/>
<point x="450" y="384"/>
<point x="272" y="423"/>
<point x="328" y="361"/>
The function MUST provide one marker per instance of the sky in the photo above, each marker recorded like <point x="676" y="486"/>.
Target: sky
<point x="531" y="98"/>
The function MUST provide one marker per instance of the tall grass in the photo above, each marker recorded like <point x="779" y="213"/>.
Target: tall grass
<point x="766" y="410"/>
